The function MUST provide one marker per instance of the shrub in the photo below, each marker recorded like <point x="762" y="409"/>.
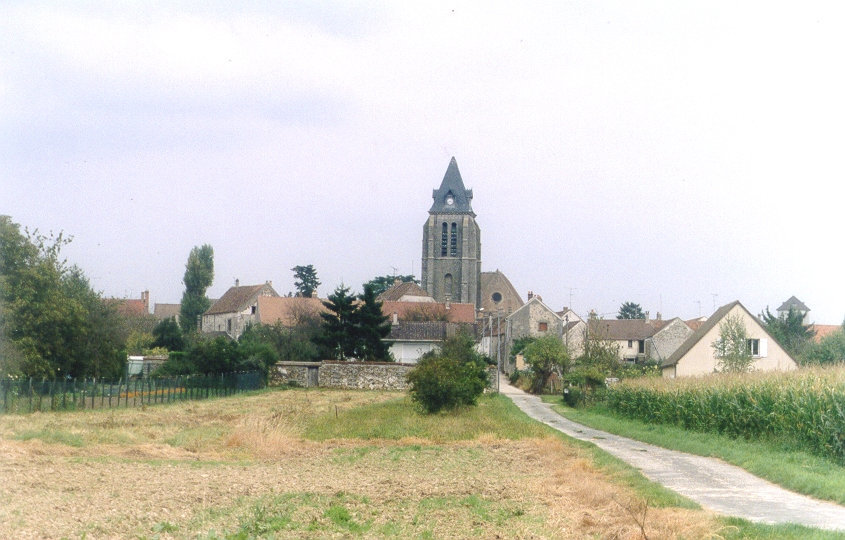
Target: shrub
<point x="454" y="377"/>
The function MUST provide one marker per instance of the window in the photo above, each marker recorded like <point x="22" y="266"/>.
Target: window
<point x="447" y="285"/>
<point x="444" y="239"/>
<point x="641" y="346"/>
<point x="543" y="327"/>
<point x="497" y="297"/>
<point x="253" y="310"/>
<point x="754" y="347"/>
<point x="630" y="343"/>
<point x="453" y="249"/>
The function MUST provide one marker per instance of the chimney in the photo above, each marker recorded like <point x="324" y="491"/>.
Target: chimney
<point x="395" y="319"/>
<point x="530" y="295"/>
<point x="659" y="316"/>
<point x="237" y="282"/>
<point x="646" y="316"/>
<point x="145" y="298"/>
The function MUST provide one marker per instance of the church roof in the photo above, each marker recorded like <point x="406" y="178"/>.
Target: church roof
<point x="507" y="299"/>
<point x="452" y="189"/>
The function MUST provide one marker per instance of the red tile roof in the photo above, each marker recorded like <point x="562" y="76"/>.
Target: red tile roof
<point x="823" y="330"/>
<point x="459" y="313"/>
<point x="288" y="310"/>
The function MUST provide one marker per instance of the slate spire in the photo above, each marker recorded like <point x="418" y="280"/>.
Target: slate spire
<point x="452" y="197"/>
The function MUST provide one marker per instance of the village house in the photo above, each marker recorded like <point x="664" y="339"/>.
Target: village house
<point x="697" y="355"/>
<point x="639" y="340"/>
<point x="536" y="319"/>
<point x="235" y="309"/>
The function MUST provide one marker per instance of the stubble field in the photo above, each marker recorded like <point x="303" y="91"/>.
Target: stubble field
<point x="314" y="464"/>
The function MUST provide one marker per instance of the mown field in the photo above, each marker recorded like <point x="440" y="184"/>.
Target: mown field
<point x="320" y="463"/>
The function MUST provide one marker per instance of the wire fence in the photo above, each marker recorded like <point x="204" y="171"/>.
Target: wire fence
<point x="30" y="395"/>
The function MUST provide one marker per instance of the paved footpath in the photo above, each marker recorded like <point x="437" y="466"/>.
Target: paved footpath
<point x="710" y="482"/>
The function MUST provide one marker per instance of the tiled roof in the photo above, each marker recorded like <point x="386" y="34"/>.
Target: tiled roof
<point x="418" y="331"/>
<point x="129" y="307"/>
<point x="427" y="330"/>
<point x="824" y="330"/>
<point x="399" y="290"/>
<point x="459" y="313"/>
<point x="795" y="303"/>
<point x="625" y="329"/>
<point x="288" y="310"/>
<point x="695" y="324"/>
<point x="237" y="298"/>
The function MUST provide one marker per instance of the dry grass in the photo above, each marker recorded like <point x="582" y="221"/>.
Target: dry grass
<point x="214" y="468"/>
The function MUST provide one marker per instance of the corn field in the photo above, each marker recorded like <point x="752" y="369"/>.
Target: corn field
<point x="804" y="408"/>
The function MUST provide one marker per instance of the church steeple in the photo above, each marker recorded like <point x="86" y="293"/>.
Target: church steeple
<point x="452" y="197"/>
<point x="451" y="254"/>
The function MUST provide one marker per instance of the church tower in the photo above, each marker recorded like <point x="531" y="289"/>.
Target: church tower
<point x="451" y="250"/>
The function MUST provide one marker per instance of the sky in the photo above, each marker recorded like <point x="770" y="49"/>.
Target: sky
<point x="680" y="155"/>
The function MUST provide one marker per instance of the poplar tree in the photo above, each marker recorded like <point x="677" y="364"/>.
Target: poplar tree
<point x="199" y="274"/>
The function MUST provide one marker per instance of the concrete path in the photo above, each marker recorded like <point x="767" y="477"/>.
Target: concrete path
<point x="710" y="482"/>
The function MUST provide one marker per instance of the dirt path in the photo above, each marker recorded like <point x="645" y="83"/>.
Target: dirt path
<point x="712" y="483"/>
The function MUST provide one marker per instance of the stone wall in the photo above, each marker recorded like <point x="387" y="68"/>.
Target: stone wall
<point x="365" y="375"/>
<point x="350" y="375"/>
<point x="292" y="372"/>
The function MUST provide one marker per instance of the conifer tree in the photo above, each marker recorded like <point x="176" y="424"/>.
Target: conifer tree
<point x="338" y="335"/>
<point x="372" y="327"/>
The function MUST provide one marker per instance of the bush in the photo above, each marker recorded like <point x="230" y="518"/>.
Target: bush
<point x="452" y="378"/>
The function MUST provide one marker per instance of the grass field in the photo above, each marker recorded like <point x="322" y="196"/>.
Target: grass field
<point x="321" y="463"/>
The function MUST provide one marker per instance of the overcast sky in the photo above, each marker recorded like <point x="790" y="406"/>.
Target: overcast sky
<point x="679" y="155"/>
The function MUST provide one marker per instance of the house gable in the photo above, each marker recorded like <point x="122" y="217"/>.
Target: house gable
<point x="696" y="356"/>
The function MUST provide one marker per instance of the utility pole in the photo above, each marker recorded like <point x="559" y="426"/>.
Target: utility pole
<point x="715" y="296"/>
<point x="498" y="346"/>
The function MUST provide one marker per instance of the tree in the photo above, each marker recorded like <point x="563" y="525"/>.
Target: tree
<point x="306" y="280"/>
<point x="789" y="330"/>
<point x="382" y="283"/>
<point x="291" y="343"/>
<point x="199" y="274"/>
<point x="168" y="334"/>
<point x="51" y="322"/>
<point x="829" y="350"/>
<point x="453" y="377"/>
<point x="338" y="333"/>
<point x="546" y="355"/>
<point x="372" y="327"/>
<point x="732" y="350"/>
<point x="630" y="310"/>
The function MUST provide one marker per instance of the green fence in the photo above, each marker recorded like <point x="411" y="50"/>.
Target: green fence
<point x="29" y="395"/>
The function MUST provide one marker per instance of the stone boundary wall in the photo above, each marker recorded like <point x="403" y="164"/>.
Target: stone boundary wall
<point x="350" y="375"/>
<point x="291" y="372"/>
<point x="365" y="375"/>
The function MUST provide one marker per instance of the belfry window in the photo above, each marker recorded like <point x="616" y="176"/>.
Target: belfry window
<point x="453" y="246"/>
<point x="444" y="240"/>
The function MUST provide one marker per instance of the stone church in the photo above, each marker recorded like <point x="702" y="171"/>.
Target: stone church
<point x="451" y="252"/>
